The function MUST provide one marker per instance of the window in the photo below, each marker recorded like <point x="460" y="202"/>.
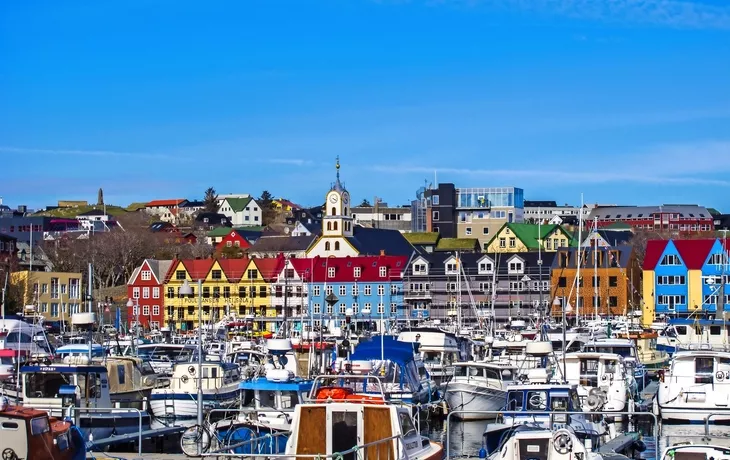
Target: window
<point x="356" y="272"/>
<point x="337" y="245"/>
<point x="343" y="290"/>
<point x="315" y="291"/>
<point x="393" y="289"/>
<point x="381" y="308"/>
<point x="515" y="267"/>
<point x="502" y="242"/>
<point x="562" y="282"/>
<point x="216" y="275"/>
<point x="328" y="290"/>
<point x="468" y="230"/>
<point x="179" y="274"/>
<point x="485" y="267"/>
<point x="613" y="281"/>
<point x="670" y="259"/>
<point x="317" y="308"/>
<point x="717" y="259"/>
<point x="613" y="301"/>
<point x="381" y="289"/>
<point x="383" y="272"/>
<point x="206" y="292"/>
<point x="512" y="242"/>
<point x="368" y="289"/>
<point x="596" y="282"/>
<point x="146" y="310"/>
<point x="155" y="292"/>
<point x="156" y="310"/>
<point x="367" y="308"/>
<point x="343" y="308"/>
<point x="393" y="308"/>
<point x="435" y="200"/>
<point x="703" y="370"/>
<point x="451" y="268"/>
<point x="355" y="289"/>
<point x="485" y="231"/>
<point x="329" y="309"/>
<point x="170" y="293"/>
<point x="485" y="286"/>
<point x="146" y="275"/>
<point x="670" y="280"/>
<point x="435" y="215"/>
<point x="330" y="272"/>
<point x="145" y="293"/>
<point x="135" y="293"/>
<point x="420" y="269"/>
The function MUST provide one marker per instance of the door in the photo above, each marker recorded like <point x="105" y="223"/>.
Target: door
<point x="344" y="432"/>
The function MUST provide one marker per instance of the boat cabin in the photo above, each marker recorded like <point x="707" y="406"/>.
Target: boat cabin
<point x="489" y="373"/>
<point x="547" y="398"/>
<point x="273" y="399"/>
<point x="9" y="362"/>
<point x="599" y="374"/>
<point x="700" y="367"/>
<point x="214" y="374"/>
<point x="81" y="349"/>
<point x="55" y="387"/>
<point x="29" y="433"/>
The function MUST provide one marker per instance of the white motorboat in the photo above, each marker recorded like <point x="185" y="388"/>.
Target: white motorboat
<point x="478" y="387"/>
<point x="219" y="384"/>
<point x="696" y="385"/>
<point x="602" y="380"/>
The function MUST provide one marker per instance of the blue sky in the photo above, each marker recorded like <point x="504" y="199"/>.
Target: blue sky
<point x="625" y="101"/>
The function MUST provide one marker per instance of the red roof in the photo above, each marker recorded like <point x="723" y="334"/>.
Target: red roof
<point x="173" y="202"/>
<point x="694" y="253"/>
<point x="369" y="268"/>
<point x="654" y="251"/>
<point x="270" y="267"/>
<point x="234" y="269"/>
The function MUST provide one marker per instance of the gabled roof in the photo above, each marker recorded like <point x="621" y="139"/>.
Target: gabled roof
<point x="238" y="204"/>
<point x="531" y="234"/>
<point x="213" y="217"/>
<point x="193" y="204"/>
<point x="470" y="261"/>
<point x="653" y="252"/>
<point x="269" y="267"/>
<point x="694" y="253"/>
<point x="276" y="244"/>
<point x="369" y="268"/>
<point x="173" y="202"/>
<point x="645" y="212"/>
<point x="371" y="241"/>
<point x="159" y="269"/>
<point x="234" y="269"/>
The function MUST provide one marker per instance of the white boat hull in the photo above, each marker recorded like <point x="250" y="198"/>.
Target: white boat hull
<point x="694" y="415"/>
<point x="166" y="403"/>
<point x="463" y="397"/>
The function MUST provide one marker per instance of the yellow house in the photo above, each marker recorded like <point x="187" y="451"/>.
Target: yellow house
<point x="284" y="204"/>
<point x="54" y="295"/>
<point x="230" y="287"/>
<point x="513" y="237"/>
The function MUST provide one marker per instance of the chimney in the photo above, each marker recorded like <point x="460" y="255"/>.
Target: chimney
<point x="382" y="252"/>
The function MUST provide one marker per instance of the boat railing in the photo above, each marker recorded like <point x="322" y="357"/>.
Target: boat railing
<point x="494" y="415"/>
<point x="73" y="411"/>
<point x="359" y="384"/>
<point x="270" y="438"/>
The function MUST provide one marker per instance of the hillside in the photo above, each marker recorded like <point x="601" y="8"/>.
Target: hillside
<point x="73" y="212"/>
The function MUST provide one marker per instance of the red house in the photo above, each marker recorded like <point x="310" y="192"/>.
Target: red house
<point x="235" y="238"/>
<point x="144" y="289"/>
<point x="675" y="218"/>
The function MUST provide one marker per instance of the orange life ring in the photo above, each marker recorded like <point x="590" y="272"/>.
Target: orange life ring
<point x="334" y="393"/>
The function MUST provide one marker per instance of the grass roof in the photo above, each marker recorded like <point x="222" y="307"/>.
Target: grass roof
<point x="422" y="237"/>
<point x="457" y="244"/>
<point x="73" y="212"/>
<point x="136" y="207"/>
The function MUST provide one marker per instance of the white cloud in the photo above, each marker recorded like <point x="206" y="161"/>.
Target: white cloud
<point x="95" y="153"/>
<point x="289" y="161"/>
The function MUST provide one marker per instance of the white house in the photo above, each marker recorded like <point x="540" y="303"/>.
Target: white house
<point x="242" y="212"/>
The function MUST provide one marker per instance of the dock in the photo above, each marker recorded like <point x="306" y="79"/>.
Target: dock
<point x="135" y="456"/>
<point x="99" y="444"/>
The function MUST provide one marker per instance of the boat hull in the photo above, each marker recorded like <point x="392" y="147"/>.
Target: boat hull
<point x="694" y="415"/>
<point x="104" y="425"/>
<point x="464" y="397"/>
<point x="182" y="404"/>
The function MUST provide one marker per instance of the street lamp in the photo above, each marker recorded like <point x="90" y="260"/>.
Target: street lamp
<point x="187" y="290"/>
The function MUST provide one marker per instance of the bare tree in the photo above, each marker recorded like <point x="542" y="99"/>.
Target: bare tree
<point x="210" y="200"/>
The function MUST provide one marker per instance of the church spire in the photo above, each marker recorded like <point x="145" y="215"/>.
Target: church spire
<point x="338" y="185"/>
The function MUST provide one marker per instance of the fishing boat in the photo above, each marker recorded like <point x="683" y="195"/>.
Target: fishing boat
<point x="270" y="401"/>
<point x="340" y="422"/>
<point x="649" y="356"/>
<point x="131" y="380"/>
<point x="438" y="349"/>
<point x="219" y="387"/>
<point x="696" y="385"/>
<point x="79" y="383"/>
<point x="477" y="387"/>
<point x="527" y="443"/>
<point x="30" y="433"/>
<point x="694" y="334"/>
<point x="690" y="451"/>
<point x="625" y="348"/>
<point x="163" y="356"/>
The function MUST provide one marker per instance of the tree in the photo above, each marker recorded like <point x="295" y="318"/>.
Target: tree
<point x="232" y="252"/>
<point x="210" y="200"/>
<point x="365" y="203"/>
<point x="268" y="211"/>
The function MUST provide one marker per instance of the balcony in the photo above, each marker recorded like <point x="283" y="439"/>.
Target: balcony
<point x="417" y="295"/>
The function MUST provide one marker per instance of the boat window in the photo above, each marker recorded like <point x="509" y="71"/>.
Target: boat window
<point x="289" y="399"/>
<point x="514" y="400"/>
<point x="574" y="401"/>
<point x="16" y="337"/>
<point x="146" y="368"/>
<point x="431" y="357"/>
<point x="507" y="375"/>
<point x="610" y="367"/>
<point x="39" y="425"/>
<point x="6" y="361"/>
<point x="681" y="330"/>
<point x="475" y="372"/>
<point x="495" y="374"/>
<point x="589" y="372"/>
<point x="703" y="370"/>
<point x="536" y="400"/>
<point x="715" y="330"/>
<point x="344" y="433"/>
<point x="267" y="399"/>
<point x="723" y="364"/>
<point x="47" y="385"/>
<point x="120" y="374"/>
<point x="94" y="385"/>
<point x="406" y="424"/>
<point x="559" y="403"/>
<point x="9" y="426"/>
<point x="460" y="371"/>
<point x="214" y="372"/>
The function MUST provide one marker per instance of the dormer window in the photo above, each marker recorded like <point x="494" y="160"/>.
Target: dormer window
<point x="420" y="269"/>
<point x="516" y="267"/>
<point x="331" y="272"/>
<point x="451" y="268"/>
<point x="383" y="272"/>
<point x="485" y="267"/>
<point x="356" y="272"/>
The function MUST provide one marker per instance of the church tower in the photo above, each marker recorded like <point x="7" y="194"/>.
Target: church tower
<point x="337" y="216"/>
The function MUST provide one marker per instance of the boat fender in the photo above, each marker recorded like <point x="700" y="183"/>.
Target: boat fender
<point x="661" y="375"/>
<point x="562" y="442"/>
<point x="184" y="379"/>
<point x="191" y="370"/>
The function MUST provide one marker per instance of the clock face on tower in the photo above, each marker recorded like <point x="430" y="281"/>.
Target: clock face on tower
<point x="333" y="198"/>
<point x="345" y="199"/>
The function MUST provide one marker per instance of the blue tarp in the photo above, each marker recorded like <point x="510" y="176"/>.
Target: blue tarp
<point x="394" y="350"/>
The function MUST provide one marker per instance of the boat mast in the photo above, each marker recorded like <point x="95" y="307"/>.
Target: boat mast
<point x="458" y="293"/>
<point x="578" y="298"/>
<point x="595" y="268"/>
<point x="539" y="255"/>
